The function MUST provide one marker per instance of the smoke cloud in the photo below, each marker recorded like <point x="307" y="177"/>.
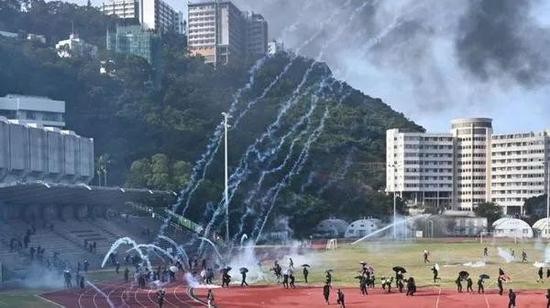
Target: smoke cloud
<point x="432" y="60"/>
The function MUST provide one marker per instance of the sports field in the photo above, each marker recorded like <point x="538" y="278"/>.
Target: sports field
<point x="452" y="255"/>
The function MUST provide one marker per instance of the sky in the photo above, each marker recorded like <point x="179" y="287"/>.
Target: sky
<point x="433" y="60"/>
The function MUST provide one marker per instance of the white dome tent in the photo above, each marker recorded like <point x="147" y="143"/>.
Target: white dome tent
<point x="542" y="227"/>
<point x="362" y="227"/>
<point x="332" y="227"/>
<point x="512" y="227"/>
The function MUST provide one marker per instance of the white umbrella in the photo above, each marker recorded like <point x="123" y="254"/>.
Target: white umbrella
<point x="173" y="269"/>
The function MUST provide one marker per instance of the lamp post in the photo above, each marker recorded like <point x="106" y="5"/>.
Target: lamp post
<point x="547" y="163"/>
<point x="394" y="200"/>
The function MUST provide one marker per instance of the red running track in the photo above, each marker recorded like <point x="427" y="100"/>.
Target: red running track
<point x="311" y="297"/>
<point x="124" y="295"/>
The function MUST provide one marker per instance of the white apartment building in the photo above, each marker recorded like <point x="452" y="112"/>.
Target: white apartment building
<point x="420" y="167"/>
<point x="221" y="33"/>
<point x="33" y="109"/>
<point x="519" y="167"/>
<point x="475" y="166"/>
<point x="155" y="15"/>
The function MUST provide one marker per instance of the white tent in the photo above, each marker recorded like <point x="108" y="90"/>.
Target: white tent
<point x="512" y="227"/>
<point x="362" y="227"/>
<point x="542" y="227"/>
<point x="333" y="227"/>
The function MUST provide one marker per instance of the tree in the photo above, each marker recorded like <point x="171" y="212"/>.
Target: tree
<point x="140" y="172"/>
<point x="489" y="210"/>
<point x="536" y="207"/>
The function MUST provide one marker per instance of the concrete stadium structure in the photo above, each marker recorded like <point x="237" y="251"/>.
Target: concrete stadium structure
<point x="31" y="153"/>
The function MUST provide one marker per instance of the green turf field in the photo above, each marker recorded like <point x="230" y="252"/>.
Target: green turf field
<point x="23" y="299"/>
<point x="450" y="257"/>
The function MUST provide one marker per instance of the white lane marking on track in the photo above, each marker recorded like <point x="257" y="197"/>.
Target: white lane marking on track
<point x="194" y="299"/>
<point x="80" y="297"/>
<point x="437" y="300"/>
<point x="486" y="301"/>
<point x="136" y="298"/>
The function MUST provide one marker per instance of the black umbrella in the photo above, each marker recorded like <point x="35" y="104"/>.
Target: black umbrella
<point x="484" y="276"/>
<point x="243" y="270"/>
<point x="500" y="272"/>
<point x="306" y="265"/>
<point x="329" y="270"/>
<point x="399" y="269"/>
<point x="464" y="274"/>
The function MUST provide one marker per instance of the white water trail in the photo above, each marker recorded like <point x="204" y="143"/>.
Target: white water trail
<point x="397" y="223"/>
<point x="154" y="248"/>
<point x="98" y="290"/>
<point x="281" y="112"/>
<point x="125" y="241"/>
<point x="243" y="238"/>
<point x="179" y="248"/>
<point x="220" y="258"/>
<point x="340" y="173"/>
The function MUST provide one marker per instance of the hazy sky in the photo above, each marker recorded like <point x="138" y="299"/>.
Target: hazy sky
<point x="433" y="60"/>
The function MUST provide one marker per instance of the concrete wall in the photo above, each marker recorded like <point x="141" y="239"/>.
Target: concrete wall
<point x="29" y="152"/>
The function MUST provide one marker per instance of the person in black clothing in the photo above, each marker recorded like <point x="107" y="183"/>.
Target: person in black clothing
<point x="117" y="268"/>
<point x="548" y="298"/>
<point x="458" y="282"/>
<point x="499" y="284"/>
<point x="523" y="256"/>
<point x="400" y="285"/>
<point x="292" y="279"/>
<point x="511" y="299"/>
<point x="480" y="288"/>
<point x="328" y="278"/>
<point x="398" y="278"/>
<point x="82" y="284"/>
<point x="341" y="299"/>
<point x="126" y="274"/>
<point x="285" y="279"/>
<point x="326" y="292"/>
<point x="541" y="274"/>
<point x="86" y="265"/>
<point x="411" y="287"/>
<point x="306" y="272"/>
<point x="160" y="297"/>
<point x="363" y="285"/>
<point x="548" y="273"/>
<point x="469" y="285"/>
<point x="436" y="274"/>
<point x="243" y="281"/>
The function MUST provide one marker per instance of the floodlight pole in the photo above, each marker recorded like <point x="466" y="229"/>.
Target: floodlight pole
<point x="547" y="194"/>
<point x="226" y="117"/>
<point x="394" y="200"/>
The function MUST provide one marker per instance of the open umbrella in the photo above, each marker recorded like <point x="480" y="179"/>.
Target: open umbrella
<point x="173" y="269"/>
<point x="363" y="262"/>
<point x="484" y="276"/>
<point x="399" y="269"/>
<point x="329" y="270"/>
<point x="463" y="274"/>
<point x="306" y="265"/>
<point x="228" y="268"/>
<point x="243" y="270"/>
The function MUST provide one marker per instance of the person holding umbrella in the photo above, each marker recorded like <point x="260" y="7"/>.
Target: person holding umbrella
<point x="480" y="287"/>
<point x="243" y="270"/>
<point x="458" y="282"/>
<point x="326" y="292"/>
<point x="426" y="255"/>
<point x="305" y="271"/>
<point x="277" y="270"/>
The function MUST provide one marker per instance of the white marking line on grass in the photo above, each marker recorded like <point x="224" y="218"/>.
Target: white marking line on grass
<point x="437" y="300"/>
<point x="49" y="301"/>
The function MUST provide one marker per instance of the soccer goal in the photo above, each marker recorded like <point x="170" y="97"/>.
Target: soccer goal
<point x="332" y="244"/>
